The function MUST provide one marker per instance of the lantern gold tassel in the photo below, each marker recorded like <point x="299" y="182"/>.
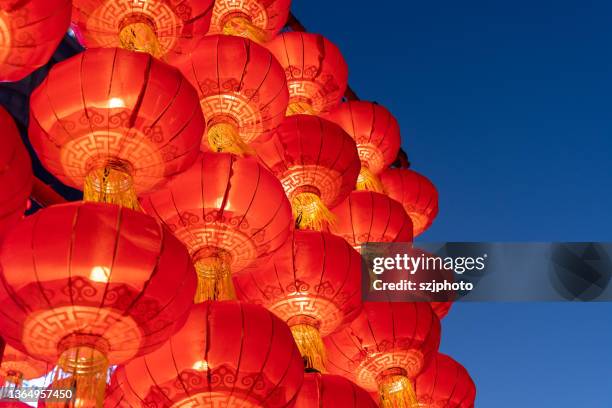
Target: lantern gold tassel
<point x="84" y="370"/>
<point x="113" y="184"/>
<point x="139" y="36"/>
<point x="12" y="378"/>
<point x="309" y="211"/>
<point x="224" y="137"/>
<point x="369" y="181"/>
<point x="241" y="26"/>
<point x="214" y="276"/>
<point x="396" y="391"/>
<point x="310" y="344"/>
<point x="300" y="107"/>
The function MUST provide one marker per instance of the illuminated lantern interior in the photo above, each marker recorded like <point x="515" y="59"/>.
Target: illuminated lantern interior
<point x="30" y="31"/>
<point x="317" y="164"/>
<point x="161" y="28"/>
<point x="232" y="213"/>
<point x="316" y="72"/>
<point x="242" y="90"/>
<point x="257" y="20"/>
<point x="313" y="283"/>
<point x="377" y="135"/>
<point x="115" y="124"/>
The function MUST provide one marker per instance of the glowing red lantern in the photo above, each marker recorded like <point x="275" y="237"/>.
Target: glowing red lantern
<point x="316" y="71"/>
<point x="162" y="28"/>
<point x="366" y="216"/>
<point x="232" y="212"/>
<point x="15" y="174"/>
<point x="258" y="20"/>
<point x="242" y="90"/>
<point x="332" y="391"/>
<point x="90" y="285"/>
<point x="313" y="283"/>
<point x="445" y="384"/>
<point x="17" y="367"/>
<point x="115" y="123"/>
<point x="377" y="135"/>
<point x="415" y="192"/>
<point x="228" y="354"/>
<point x="317" y="164"/>
<point x="386" y="347"/>
<point x="30" y="31"/>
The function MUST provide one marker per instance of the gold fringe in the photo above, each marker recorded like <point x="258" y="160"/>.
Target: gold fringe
<point x="84" y="370"/>
<point x="214" y="277"/>
<point x="139" y="36"/>
<point x="310" y="212"/>
<point x="300" y="108"/>
<point x="396" y="391"/>
<point x="310" y="344"/>
<point x="241" y="26"/>
<point x="111" y="184"/>
<point x="369" y="181"/>
<point x="224" y="137"/>
<point x="14" y="378"/>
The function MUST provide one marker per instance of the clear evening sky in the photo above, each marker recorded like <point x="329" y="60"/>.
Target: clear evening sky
<point x="506" y="106"/>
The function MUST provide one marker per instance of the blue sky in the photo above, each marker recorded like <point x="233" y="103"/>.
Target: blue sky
<point x="507" y="107"/>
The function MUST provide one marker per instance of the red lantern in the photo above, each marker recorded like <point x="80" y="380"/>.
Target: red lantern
<point x="415" y="192"/>
<point x="232" y="212"/>
<point x="89" y="285"/>
<point x="228" y="354"/>
<point x="30" y="31"/>
<point x="332" y="391"/>
<point x="17" y="367"/>
<point x="316" y="71"/>
<point x="366" y="216"/>
<point x="242" y="90"/>
<point x="313" y="283"/>
<point x="162" y="28"/>
<point x="377" y="135"/>
<point x="15" y="174"/>
<point x="258" y="20"/>
<point x="387" y="346"/>
<point x="317" y="163"/>
<point x="445" y="384"/>
<point x="441" y="309"/>
<point x="115" y="123"/>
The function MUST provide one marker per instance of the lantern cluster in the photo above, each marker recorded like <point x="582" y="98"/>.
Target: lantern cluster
<point x="228" y="188"/>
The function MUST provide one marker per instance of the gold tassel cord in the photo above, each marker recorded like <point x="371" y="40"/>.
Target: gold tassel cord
<point x="310" y="344"/>
<point x="310" y="212"/>
<point x="214" y="277"/>
<point x="83" y="370"/>
<point x="111" y="184"/>
<point x="241" y="26"/>
<point x="140" y="36"/>
<point x="369" y="181"/>
<point x="300" y="108"/>
<point x="396" y="391"/>
<point x="225" y="137"/>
